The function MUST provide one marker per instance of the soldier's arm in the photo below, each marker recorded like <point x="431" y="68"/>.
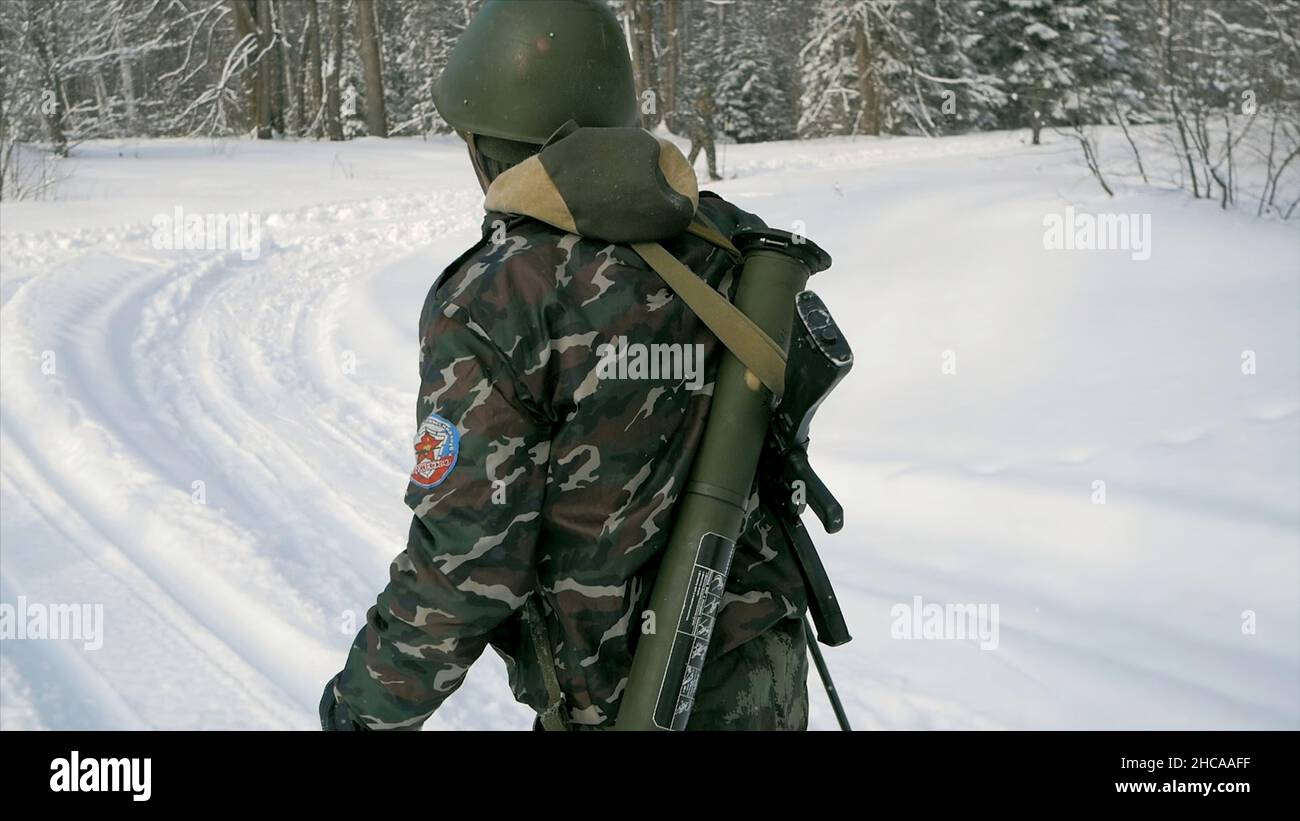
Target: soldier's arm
<point x="469" y="563"/>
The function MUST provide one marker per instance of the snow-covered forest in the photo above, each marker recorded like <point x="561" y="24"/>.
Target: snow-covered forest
<point x="1221" y="75"/>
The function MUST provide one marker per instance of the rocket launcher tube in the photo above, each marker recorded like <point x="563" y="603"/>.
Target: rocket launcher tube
<point x="693" y="571"/>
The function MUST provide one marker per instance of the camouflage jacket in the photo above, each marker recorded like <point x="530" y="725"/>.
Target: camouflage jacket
<point x="539" y="474"/>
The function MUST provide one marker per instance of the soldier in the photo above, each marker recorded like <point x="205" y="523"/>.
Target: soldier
<point x="699" y="128"/>
<point x="544" y="487"/>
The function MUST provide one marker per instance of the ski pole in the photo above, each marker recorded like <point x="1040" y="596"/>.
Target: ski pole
<point x="825" y="674"/>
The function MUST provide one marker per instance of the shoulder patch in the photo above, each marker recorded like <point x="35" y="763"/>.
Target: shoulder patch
<point x="437" y="445"/>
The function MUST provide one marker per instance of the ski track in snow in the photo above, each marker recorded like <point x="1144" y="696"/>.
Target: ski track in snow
<point x="205" y="368"/>
<point x="284" y="385"/>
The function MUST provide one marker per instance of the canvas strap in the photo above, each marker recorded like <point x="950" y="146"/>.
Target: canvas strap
<point x="747" y="342"/>
<point x="706" y="230"/>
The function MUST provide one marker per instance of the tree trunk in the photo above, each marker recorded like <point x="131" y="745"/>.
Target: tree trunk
<point x="1122" y="119"/>
<point x="1187" y="150"/>
<point x="53" y="111"/>
<point x="368" y="31"/>
<point x="672" y="11"/>
<point x="290" y="93"/>
<point x="315" y="86"/>
<point x="244" y="26"/>
<point x="638" y="73"/>
<point x="257" y="87"/>
<point x="869" y="116"/>
<point x="128" y="82"/>
<point x="1167" y="10"/>
<point x="641" y="46"/>
<point x="650" y="62"/>
<point x="269" y="115"/>
<point x="333" y="116"/>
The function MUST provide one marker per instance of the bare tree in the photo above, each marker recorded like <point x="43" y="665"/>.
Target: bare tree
<point x="372" y="63"/>
<point x="269" y="106"/>
<point x="124" y="63"/>
<point x="673" y="54"/>
<point x="287" y="91"/>
<point x="1121" y="117"/>
<point x="638" y="25"/>
<point x="44" y="39"/>
<point x="869" y="113"/>
<point x="333" y="112"/>
<point x="313" y="116"/>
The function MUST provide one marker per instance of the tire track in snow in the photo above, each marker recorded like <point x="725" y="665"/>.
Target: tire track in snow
<point x="157" y="628"/>
<point x="194" y="361"/>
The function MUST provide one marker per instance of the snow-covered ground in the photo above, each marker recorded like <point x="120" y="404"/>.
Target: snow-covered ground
<point x="214" y="448"/>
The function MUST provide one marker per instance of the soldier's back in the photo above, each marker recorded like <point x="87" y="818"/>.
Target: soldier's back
<point x="620" y="372"/>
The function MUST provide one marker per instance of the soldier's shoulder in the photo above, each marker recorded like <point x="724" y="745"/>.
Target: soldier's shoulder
<point x="513" y="260"/>
<point x="525" y="273"/>
<point x="509" y="287"/>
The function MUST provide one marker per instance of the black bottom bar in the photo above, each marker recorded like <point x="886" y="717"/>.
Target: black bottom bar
<point x="374" y="772"/>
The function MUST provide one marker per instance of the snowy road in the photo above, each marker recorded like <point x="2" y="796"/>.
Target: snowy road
<point x="214" y="448"/>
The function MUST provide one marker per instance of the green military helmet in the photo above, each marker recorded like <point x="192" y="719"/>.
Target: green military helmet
<point x="523" y="68"/>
